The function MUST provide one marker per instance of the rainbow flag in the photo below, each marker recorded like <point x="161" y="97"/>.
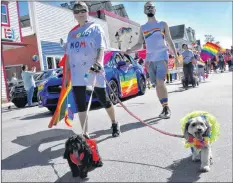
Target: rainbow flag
<point x="69" y="116"/>
<point x="209" y="51"/>
<point x="61" y="110"/>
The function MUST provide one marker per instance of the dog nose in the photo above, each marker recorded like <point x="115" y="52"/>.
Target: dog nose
<point x="199" y="130"/>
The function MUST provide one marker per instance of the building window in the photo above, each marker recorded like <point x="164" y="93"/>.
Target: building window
<point x="5" y="14"/>
<point x="53" y="61"/>
<point x="176" y="45"/>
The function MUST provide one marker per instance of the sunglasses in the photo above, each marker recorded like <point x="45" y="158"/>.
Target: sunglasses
<point x="149" y="7"/>
<point x="79" y="11"/>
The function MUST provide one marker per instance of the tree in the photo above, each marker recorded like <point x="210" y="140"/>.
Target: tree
<point x="209" y="38"/>
<point x="217" y="42"/>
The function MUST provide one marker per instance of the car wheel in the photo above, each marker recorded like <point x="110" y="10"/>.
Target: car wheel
<point x="142" y="86"/>
<point x="20" y="103"/>
<point x="114" y="87"/>
<point x="52" y="109"/>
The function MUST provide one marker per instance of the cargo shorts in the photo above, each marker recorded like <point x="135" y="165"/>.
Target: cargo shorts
<point x="157" y="71"/>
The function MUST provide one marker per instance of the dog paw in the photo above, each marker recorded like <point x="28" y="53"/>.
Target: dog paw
<point x="205" y="169"/>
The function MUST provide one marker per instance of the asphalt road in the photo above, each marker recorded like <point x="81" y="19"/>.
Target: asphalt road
<point x="32" y="152"/>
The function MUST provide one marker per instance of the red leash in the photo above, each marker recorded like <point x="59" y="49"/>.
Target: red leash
<point x="156" y="129"/>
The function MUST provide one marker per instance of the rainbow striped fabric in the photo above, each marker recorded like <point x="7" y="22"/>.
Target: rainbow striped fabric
<point x="152" y="31"/>
<point x="129" y="84"/>
<point x="69" y="116"/>
<point x="209" y="51"/>
<point x="61" y="110"/>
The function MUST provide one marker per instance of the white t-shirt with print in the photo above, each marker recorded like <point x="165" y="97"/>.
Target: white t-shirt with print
<point x="82" y="45"/>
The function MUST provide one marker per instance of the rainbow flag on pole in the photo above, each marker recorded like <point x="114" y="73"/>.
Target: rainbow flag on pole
<point x="209" y="50"/>
<point x="65" y="98"/>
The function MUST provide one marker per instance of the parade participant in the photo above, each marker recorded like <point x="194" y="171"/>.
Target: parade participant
<point x="188" y="59"/>
<point x="85" y="48"/>
<point x="154" y="33"/>
<point x="29" y="82"/>
<point x="221" y="61"/>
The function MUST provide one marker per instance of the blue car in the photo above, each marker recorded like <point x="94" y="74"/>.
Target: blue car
<point x="125" y="76"/>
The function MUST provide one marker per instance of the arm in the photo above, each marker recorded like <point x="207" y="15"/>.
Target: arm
<point x="169" y="40"/>
<point x="139" y="43"/>
<point x="101" y="45"/>
<point x="67" y="68"/>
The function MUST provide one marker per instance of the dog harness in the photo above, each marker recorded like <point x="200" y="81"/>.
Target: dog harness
<point x="76" y="158"/>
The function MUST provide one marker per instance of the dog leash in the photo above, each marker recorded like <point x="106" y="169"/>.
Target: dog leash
<point x="133" y="115"/>
<point x="89" y="104"/>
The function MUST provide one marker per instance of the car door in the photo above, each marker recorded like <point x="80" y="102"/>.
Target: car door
<point x="127" y="77"/>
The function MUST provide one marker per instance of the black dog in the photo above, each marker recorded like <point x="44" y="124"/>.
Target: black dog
<point x="82" y="155"/>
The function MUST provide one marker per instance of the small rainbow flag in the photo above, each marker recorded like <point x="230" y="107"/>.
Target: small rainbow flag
<point x="209" y="50"/>
<point x="69" y="116"/>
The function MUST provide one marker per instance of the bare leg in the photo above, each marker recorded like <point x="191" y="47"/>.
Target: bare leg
<point x="111" y="114"/>
<point x="161" y="89"/>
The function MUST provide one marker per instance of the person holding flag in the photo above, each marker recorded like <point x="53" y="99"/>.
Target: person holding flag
<point x="85" y="49"/>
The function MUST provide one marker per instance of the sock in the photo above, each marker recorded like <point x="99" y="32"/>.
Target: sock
<point x="164" y="102"/>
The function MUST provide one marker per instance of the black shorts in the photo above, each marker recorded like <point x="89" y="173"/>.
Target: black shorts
<point x="79" y="93"/>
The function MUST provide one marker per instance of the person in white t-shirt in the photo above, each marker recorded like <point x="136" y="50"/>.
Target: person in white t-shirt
<point x="14" y="79"/>
<point x="29" y="82"/>
<point x="84" y="49"/>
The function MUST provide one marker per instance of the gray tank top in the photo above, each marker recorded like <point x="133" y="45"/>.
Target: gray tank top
<point x="154" y="34"/>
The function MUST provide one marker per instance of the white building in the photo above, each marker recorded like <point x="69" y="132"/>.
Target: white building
<point x="182" y="35"/>
<point x="51" y="23"/>
<point x="11" y="37"/>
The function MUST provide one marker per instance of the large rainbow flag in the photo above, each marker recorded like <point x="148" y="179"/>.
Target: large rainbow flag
<point x="65" y="98"/>
<point x="209" y="51"/>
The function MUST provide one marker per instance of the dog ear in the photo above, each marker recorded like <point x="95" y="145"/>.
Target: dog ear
<point x="66" y="153"/>
<point x="207" y="132"/>
<point x="186" y="134"/>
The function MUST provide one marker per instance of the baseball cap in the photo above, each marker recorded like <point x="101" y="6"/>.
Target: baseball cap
<point x="78" y="6"/>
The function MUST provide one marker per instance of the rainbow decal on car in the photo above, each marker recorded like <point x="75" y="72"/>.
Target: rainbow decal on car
<point x="128" y="84"/>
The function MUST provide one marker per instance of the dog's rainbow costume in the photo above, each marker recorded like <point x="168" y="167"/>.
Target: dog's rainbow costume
<point x="214" y="132"/>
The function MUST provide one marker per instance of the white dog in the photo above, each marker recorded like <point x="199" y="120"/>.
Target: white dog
<point x="197" y="129"/>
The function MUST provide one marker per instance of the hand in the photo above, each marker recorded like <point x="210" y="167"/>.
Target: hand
<point x="96" y="68"/>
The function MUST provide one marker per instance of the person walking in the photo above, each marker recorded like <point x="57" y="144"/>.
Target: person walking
<point x="188" y="68"/>
<point x="85" y="49"/>
<point x="29" y="82"/>
<point x="154" y="34"/>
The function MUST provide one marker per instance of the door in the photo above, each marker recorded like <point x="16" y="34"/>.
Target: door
<point x="127" y="77"/>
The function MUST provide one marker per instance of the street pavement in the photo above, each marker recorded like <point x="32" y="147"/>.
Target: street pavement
<point x="33" y="153"/>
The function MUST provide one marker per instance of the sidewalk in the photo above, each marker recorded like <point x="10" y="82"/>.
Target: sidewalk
<point x="7" y="104"/>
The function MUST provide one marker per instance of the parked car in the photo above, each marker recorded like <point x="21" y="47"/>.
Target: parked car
<point x="18" y="94"/>
<point x="125" y="76"/>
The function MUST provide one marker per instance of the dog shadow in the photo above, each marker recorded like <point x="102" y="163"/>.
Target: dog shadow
<point x="124" y="128"/>
<point x="31" y="155"/>
<point x="184" y="170"/>
<point x="69" y="178"/>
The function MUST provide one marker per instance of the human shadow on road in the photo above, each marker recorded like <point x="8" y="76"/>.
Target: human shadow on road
<point x="184" y="170"/>
<point x="124" y="128"/>
<point x="36" y="116"/>
<point x="31" y="156"/>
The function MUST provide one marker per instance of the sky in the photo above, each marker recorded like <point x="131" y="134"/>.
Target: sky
<point x="214" y="18"/>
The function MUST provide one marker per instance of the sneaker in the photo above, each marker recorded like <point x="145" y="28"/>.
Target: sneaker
<point x="115" y="130"/>
<point x="166" y="113"/>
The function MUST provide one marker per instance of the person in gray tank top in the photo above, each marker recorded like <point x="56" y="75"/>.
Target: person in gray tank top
<point x="155" y="34"/>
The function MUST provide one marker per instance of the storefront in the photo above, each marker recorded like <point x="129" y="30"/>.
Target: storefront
<point x="11" y="38"/>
